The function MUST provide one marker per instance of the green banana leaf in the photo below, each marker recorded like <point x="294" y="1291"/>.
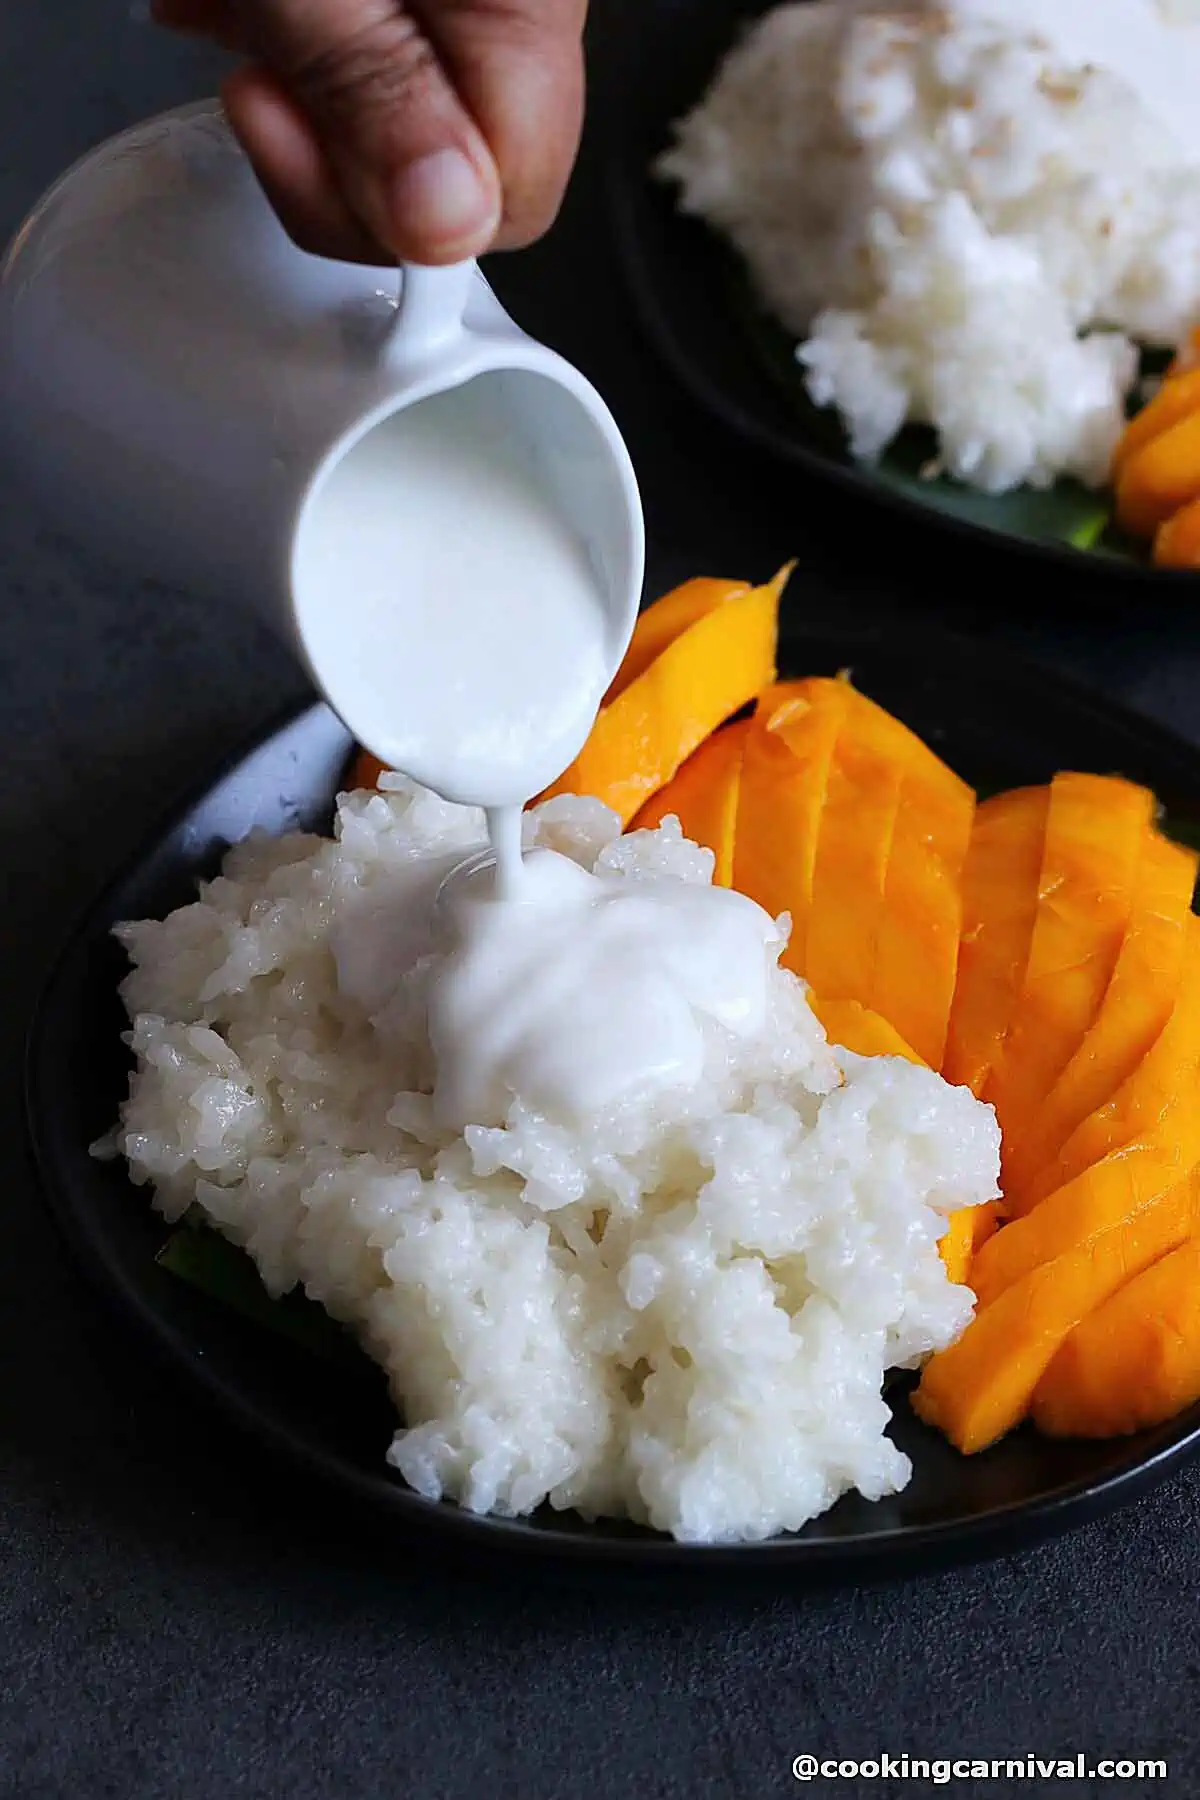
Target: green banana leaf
<point x="210" y="1263"/>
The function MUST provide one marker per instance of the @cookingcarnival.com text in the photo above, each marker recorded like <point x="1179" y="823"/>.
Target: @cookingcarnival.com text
<point x="942" y="1770"/>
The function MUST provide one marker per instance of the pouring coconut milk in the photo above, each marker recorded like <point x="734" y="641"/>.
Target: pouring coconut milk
<point x="437" y="513"/>
<point x="470" y="649"/>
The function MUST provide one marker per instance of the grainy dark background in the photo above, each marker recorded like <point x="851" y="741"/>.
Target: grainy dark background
<point x="177" y="1621"/>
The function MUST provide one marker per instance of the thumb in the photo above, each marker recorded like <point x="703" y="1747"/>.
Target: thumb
<point x="410" y="161"/>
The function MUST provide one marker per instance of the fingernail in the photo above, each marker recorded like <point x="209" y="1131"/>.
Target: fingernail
<point x="443" y="197"/>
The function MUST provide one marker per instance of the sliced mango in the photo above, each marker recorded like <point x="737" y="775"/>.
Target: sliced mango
<point x="1137" y="1004"/>
<point x="668" y="618"/>
<point x="984" y="1384"/>
<point x="1095" y="829"/>
<point x="785" y="772"/>
<point x="1177" y="540"/>
<point x="969" y="1230"/>
<point x="1105" y="1198"/>
<point x="1000" y="888"/>
<point x="854" y="840"/>
<point x="916" y="958"/>
<point x="1160" y="476"/>
<point x="848" y="822"/>
<point x="1163" y="1079"/>
<point x="855" y="1027"/>
<point x="708" y="672"/>
<point x="703" y="796"/>
<point x="1178" y="396"/>
<point x="1134" y="1361"/>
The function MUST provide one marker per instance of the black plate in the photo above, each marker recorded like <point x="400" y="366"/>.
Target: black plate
<point x="999" y="722"/>
<point x="696" y="304"/>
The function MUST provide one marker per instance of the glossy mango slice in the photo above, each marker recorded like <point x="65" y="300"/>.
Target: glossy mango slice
<point x="1178" y="396"/>
<point x="849" y="822"/>
<point x="668" y="618"/>
<point x="1137" y="1003"/>
<point x="855" y="1027"/>
<point x="1160" y="476"/>
<point x="1133" y="1362"/>
<point x="703" y="796"/>
<point x="785" y="774"/>
<point x="916" y="958"/>
<point x="1095" y="830"/>
<point x="1104" y="1198"/>
<point x="970" y="1229"/>
<point x="699" y="679"/>
<point x="1162" y="1083"/>
<point x="1000" y="890"/>
<point x="854" y="841"/>
<point x="1177" y="540"/>
<point x="984" y="1384"/>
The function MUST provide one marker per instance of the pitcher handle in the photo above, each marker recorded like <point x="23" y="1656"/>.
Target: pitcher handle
<point x="432" y="303"/>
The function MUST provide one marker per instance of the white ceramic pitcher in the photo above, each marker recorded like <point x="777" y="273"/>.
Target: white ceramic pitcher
<point x="179" y="382"/>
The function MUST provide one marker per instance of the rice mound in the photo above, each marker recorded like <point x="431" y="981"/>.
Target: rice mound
<point x="966" y="230"/>
<point x="681" y="1311"/>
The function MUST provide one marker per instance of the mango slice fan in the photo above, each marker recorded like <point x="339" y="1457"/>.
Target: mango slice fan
<point x="1037" y="947"/>
<point x="1156" y="468"/>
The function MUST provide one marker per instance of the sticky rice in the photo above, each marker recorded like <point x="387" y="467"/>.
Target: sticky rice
<point x="963" y="227"/>
<point x="680" y="1311"/>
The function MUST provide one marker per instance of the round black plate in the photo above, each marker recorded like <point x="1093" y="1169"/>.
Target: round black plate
<point x="695" y="302"/>
<point x="997" y="721"/>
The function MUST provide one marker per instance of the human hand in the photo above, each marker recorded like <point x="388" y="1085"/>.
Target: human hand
<point x="420" y="131"/>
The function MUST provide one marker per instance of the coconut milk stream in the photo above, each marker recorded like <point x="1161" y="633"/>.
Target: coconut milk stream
<point x="548" y="983"/>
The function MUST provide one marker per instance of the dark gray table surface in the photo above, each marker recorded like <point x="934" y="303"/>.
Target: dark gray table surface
<point x="177" y="1618"/>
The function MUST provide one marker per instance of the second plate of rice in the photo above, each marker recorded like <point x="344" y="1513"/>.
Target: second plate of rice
<point x="1018" y="317"/>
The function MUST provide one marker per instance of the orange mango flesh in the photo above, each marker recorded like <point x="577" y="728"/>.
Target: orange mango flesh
<point x="1095" y="828"/>
<point x="659" y="625"/>
<point x="1156" y="468"/>
<point x="1134" y="1361"/>
<point x="916" y="959"/>
<point x="968" y="1231"/>
<point x="855" y="1027"/>
<point x="1125" y="1156"/>
<point x="984" y="1384"/>
<point x="1136" y="1006"/>
<point x="1161" y="1083"/>
<point x="785" y="771"/>
<point x="1177" y="540"/>
<point x="853" y="826"/>
<point x="713" y="668"/>
<point x="703" y="796"/>
<point x="1178" y="396"/>
<point x="862" y="797"/>
<point x="1160" y="476"/>
<point x="1101" y="1200"/>
<point x="1000" y="884"/>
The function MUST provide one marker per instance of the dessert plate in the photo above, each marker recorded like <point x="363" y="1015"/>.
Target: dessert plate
<point x="289" y="1377"/>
